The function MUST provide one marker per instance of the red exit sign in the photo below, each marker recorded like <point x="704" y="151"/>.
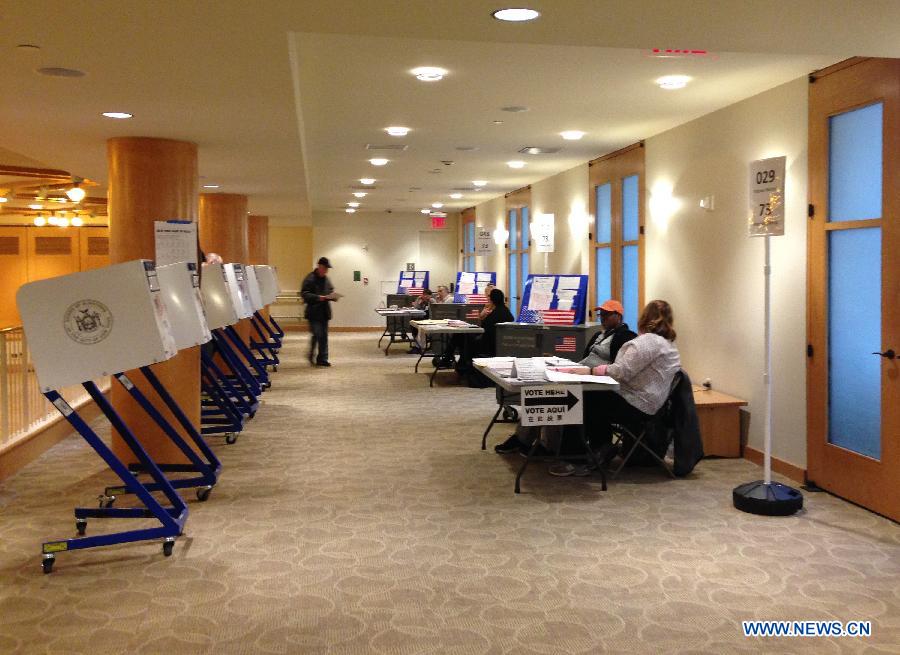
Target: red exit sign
<point x="438" y="222"/>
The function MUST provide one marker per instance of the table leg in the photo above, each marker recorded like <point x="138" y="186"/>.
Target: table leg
<point x="490" y="425"/>
<point x="592" y="456"/>
<point x="534" y="445"/>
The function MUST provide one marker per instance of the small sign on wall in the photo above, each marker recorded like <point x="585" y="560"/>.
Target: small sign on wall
<point x="410" y="266"/>
<point x="438" y="222"/>
<point x="767" y="197"/>
<point x="543" y="232"/>
<point x="484" y="241"/>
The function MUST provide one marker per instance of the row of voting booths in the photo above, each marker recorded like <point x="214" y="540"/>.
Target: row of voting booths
<point x="126" y="317"/>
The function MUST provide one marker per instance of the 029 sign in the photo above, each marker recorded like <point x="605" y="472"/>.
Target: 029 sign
<point x="767" y="197"/>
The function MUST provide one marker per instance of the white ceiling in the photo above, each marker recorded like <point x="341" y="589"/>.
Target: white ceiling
<point x="228" y="75"/>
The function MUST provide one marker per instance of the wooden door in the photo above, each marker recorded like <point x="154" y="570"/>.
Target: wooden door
<point x="13" y="273"/>
<point x="52" y="251"/>
<point x="94" y="247"/>
<point x="853" y="381"/>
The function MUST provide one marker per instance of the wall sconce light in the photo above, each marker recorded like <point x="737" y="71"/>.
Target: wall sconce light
<point x="40" y="221"/>
<point x="76" y="193"/>
<point x="663" y="205"/>
<point x="500" y="236"/>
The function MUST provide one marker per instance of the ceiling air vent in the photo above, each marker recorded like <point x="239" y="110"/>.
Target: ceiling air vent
<point x="537" y="150"/>
<point x="363" y="187"/>
<point x="464" y="188"/>
<point x="389" y="146"/>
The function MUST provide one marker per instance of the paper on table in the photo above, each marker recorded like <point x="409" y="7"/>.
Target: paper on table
<point x="556" y="376"/>
<point x="466" y="276"/>
<point x="530" y="368"/>
<point x="569" y="282"/>
<point x="484" y="277"/>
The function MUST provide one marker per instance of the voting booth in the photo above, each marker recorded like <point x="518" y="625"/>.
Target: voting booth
<point x="90" y="324"/>
<point x="265" y="347"/>
<point x="538" y="340"/>
<point x="180" y="286"/>
<point x="237" y="287"/>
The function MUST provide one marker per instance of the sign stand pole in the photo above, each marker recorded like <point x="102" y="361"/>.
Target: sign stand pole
<point x="764" y="496"/>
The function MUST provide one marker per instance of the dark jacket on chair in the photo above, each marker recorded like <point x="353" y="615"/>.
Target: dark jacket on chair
<point x="685" y="427"/>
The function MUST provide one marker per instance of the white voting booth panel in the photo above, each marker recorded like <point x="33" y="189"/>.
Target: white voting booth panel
<point x="220" y="311"/>
<point x="256" y="302"/>
<point x="86" y="325"/>
<point x="180" y="287"/>
<point x="234" y="276"/>
<point x="268" y="283"/>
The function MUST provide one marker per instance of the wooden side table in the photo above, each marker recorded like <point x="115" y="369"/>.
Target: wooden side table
<point x="720" y="422"/>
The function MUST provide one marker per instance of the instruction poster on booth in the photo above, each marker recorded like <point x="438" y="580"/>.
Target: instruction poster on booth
<point x="176" y="241"/>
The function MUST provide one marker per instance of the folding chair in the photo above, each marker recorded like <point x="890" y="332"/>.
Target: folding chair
<point x="638" y="432"/>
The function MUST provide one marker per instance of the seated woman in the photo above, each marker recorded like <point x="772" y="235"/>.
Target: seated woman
<point x="644" y="369"/>
<point x="485" y="345"/>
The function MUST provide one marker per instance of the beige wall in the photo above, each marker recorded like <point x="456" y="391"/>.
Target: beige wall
<point x="492" y="214"/>
<point x="291" y="252"/>
<point x="379" y="246"/>
<point x="712" y="273"/>
<point x="566" y="196"/>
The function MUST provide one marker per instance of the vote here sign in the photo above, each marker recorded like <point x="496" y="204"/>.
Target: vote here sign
<point x="552" y="404"/>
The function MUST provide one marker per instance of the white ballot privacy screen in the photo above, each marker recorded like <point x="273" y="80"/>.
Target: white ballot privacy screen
<point x="180" y="288"/>
<point x="220" y="308"/>
<point x="95" y="323"/>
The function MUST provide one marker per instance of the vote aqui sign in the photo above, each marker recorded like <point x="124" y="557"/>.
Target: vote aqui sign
<point x="552" y="404"/>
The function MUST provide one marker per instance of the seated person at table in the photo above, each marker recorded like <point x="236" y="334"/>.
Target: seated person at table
<point x="423" y="301"/>
<point x="644" y="369"/>
<point x="485" y="344"/>
<point x="443" y="295"/>
<point x="601" y="349"/>
<point x="490" y="286"/>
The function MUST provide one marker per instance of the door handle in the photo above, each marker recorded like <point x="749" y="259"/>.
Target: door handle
<point x="889" y="354"/>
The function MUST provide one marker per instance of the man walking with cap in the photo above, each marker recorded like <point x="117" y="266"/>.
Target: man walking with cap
<point x="317" y="292"/>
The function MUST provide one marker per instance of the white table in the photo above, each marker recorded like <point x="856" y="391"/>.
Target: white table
<point x="396" y="323"/>
<point x="443" y="329"/>
<point x="508" y="388"/>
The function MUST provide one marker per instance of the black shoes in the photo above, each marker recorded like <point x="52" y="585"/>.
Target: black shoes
<point x="323" y="363"/>
<point x="511" y="445"/>
<point x="311" y="359"/>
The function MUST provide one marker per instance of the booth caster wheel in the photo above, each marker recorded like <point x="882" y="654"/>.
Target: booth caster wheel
<point x="275" y="369"/>
<point x="168" y="545"/>
<point x="106" y="501"/>
<point x="47" y="563"/>
<point x="230" y="437"/>
<point x="81" y="526"/>
<point x="203" y="493"/>
<point x="510" y="414"/>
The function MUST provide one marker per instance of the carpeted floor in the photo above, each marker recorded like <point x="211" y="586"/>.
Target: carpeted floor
<point x="357" y="514"/>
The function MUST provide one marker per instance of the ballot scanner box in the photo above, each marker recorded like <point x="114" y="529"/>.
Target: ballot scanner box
<point x="180" y="287"/>
<point x="216" y="293"/>
<point x="237" y="285"/>
<point x="539" y="340"/>
<point x="399" y="300"/>
<point x="253" y="288"/>
<point x="86" y="325"/>
<point x="268" y="283"/>
<point x="461" y="311"/>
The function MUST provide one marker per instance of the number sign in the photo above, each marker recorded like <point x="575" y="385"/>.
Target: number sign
<point x="767" y="197"/>
<point x="484" y="241"/>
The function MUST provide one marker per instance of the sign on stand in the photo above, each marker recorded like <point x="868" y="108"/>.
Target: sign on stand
<point x="552" y="404"/>
<point x="484" y="241"/>
<point x="767" y="197"/>
<point x="542" y="231"/>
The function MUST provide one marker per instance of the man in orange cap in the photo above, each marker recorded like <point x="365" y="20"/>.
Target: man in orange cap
<point x="604" y="346"/>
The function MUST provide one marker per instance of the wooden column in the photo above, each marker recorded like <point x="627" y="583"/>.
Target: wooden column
<point x="223" y="230"/>
<point x="258" y="240"/>
<point x="151" y="180"/>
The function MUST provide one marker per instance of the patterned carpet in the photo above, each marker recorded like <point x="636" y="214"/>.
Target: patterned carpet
<point x="357" y="514"/>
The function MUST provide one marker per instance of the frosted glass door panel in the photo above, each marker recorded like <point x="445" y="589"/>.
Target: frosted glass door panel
<point x="854" y="167"/>
<point x="630" y="285"/>
<point x="630" y="208"/>
<point x="513" y="285"/>
<point x="604" y="213"/>
<point x="854" y="333"/>
<point x="603" y="275"/>
<point x="513" y="230"/>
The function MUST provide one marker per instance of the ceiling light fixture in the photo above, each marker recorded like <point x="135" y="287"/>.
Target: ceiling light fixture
<point x="4" y="198"/>
<point x="76" y="193"/>
<point x="479" y="182"/>
<point x="437" y="205"/>
<point x="62" y="222"/>
<point x="40" y="221"/>
<point x="429" y="73"/>
<point x="77" y="222"/>
<point x="35" y="206"/>
<point x="515" y="14"/>
<point x="425" y="210"/>
<point x="456" y="196"/>
<point x="367" y="180"/>
<point x="397" y="131"/>
<point x="350" y="210"/>
<point x="516" y="164"/>
<point x="359" y="194"/>
<point x="353" y="204"/>
<point x="572" y="135"/>
<point x="379" y="161"/>
<point x="117" y="114"/>
<point x="670" y="82"/>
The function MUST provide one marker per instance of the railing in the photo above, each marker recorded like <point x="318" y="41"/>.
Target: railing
<point x="23" y="408"/>
<point x="288" y="305"/>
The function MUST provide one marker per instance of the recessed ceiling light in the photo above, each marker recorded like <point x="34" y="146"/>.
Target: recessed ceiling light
<point x="350" y="210"/>
<point x="379" y="161"/>
<point x="516" y="164"/>
<point x="673" y="81"/>
<point x="117" y="114"/>
<point x="429" y="73"/>
<point x="59" y="71"/>
<point x="479" y="182"/>
<point x="353" y="204"/>
<point x="572" y="135"/>
<point x="437" y="205"/>
<point x="210" y="186"/>
<point x="456" y="196"/>
<point x="515" y="15"/>
<point x="497" y="122"/>
<point x="367" y="180"/>
<point x="397" y="131"/>
<point x="359" y="194"/>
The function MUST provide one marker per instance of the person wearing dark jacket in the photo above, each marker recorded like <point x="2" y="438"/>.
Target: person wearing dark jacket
<point x="317" y="292"/>
<point x="604" y="346"/>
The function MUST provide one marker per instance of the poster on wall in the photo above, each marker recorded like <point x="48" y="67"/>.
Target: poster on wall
<point x="542" y="232"/>
<point x="767" y="197"/>
<point x="484" y="241"/>
<point x="176" y="241"/>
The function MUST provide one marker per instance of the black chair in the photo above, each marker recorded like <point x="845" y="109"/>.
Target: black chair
<point x="640" y="433"/>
